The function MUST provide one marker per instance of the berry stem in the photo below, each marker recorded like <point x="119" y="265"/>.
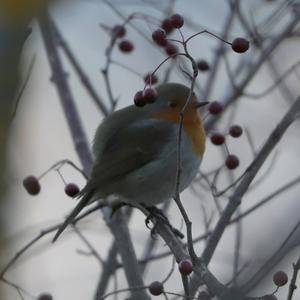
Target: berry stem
<point x="208" y="32"/>
<point x="187" y="221"/>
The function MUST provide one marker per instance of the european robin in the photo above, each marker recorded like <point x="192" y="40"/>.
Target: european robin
<point x="135" y="151"/>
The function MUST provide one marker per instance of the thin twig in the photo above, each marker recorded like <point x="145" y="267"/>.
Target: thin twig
<point x="23" y="87"/>
<point x="251" y="172"/>
<point x="92" y="249"/>
<point x="293" y="286"/>
<point x="43" y="233"/>
<point x="234" y="94"/>
<point x="118" y="226"/>
<point x="271" y="262"/>
<point x="81" y="74"/>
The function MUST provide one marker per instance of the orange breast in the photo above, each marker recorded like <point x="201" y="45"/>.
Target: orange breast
<point x="192" y="125"/>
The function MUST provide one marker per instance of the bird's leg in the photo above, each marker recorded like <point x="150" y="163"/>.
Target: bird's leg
<point x="158" y="214"/>
<point x="117" y="205"/>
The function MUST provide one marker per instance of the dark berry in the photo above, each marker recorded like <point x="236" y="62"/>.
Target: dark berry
<point x="215" y="107"/>
<point x="119" y="31"/>
<point x="150" y="78"/>
<point x="269" y="297"/>
<point x="32" y="185"/>
<point x="217" y="139"/>
<point x="240" y="45"/>
<point x="171" y="49"/>
<point x="72" y="189"/>
<point x="202" y="65"/>
<point x="45" y="297"/>
<point x="232" y="161"/>
<point x="185" y="267"/>
<point x="177" y="21"/>
<point x="159" y="37"/>
<point x="126" y="46"/>
<point x="203" y="295"/>
<point x="280" y="278"/>
<point x="167" y="26"/>
<point x="235" y="131"/>
<point x="156" y="288"/>
<point x="139" y="99"/>
<point x="150" y="95"/>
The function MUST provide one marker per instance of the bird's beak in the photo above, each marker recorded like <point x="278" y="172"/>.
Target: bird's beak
<point x="198" y="104"/>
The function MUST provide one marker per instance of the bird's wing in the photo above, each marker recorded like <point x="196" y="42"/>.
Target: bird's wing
<point x="121" y="150"/>
<point x="129" y="149"/>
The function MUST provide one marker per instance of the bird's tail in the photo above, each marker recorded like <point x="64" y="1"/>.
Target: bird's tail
<point x="87" y="195"/>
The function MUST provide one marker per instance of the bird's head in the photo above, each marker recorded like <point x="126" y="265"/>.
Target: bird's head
<point x="170" y="101"/>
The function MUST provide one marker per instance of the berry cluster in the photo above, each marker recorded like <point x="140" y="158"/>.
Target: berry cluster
<point x="119" y="31"/>
<point x="240" y="45"/>
<point x="185" y="267"/>
<point x="156" y="288"/>
<point x="147" y="96"/>
<point x="159" y="36"/>
<point x="150" y="79"/>
<point x="45" y="297"/>
<point x="203" y="65"/>
<point x="280" y="279"/>
<point x="218" y="139"/>
<point x="33" y="187"/>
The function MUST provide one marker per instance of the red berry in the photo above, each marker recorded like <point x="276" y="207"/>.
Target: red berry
<point x="139" y="99"/>
<point x="150" y="95"/>
<point x="156" y="288"/>
<point x="32" y="185"/>
<point x="203" y="295"/>
<point x="159" y="37"/>
<point x="232" y="161"/>
<point x="202" y="65"/>
<point x="150" y="78"/>
<point x="280" y="278"/>
<point x="167" y="26"/>
<point x="240" y="45"/>
<point x="217" y="139"/>
<point x="72" y="189"/>
<point x="185" y="267"/>
<point x="45" y="297"/>
<point x="171" y="49"/>
<point x="119" y="31"/>
<point x="235" y="131"/>
<point x="126" y="46"/>
<point x="215" y="107"/>
<point x="177" y="21"/>
<point x="269" y="297"/>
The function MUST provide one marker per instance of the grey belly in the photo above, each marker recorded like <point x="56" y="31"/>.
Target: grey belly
<point x="156" y="181"/>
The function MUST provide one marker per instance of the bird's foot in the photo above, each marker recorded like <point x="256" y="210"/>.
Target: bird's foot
<point x="158" y="214"/>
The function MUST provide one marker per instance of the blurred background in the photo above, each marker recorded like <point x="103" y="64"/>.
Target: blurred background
<point x="39" y="137"/>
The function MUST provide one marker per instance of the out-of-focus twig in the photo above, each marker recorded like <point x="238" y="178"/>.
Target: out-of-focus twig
<point x="65" y="95"/>
<point x="20" y="94"/>
<point x="293" y="286"/>
<point x="251" y="172"/>
<point x="235" y="93"/>
<point x="271" y="262"/>
<point x="81" y="74"/>
<point x="219" y="52"/>
<point x="117" y="225"/>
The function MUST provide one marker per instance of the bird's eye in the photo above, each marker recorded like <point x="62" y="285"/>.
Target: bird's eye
<point x="172" y="104"/>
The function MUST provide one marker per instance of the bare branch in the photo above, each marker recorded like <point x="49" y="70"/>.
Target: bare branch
<point x="251" y="172"/>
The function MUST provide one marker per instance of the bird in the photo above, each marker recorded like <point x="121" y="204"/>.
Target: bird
<point x="135" y="151"/>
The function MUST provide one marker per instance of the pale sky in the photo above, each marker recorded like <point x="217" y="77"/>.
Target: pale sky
<point x="41" y="137"/>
